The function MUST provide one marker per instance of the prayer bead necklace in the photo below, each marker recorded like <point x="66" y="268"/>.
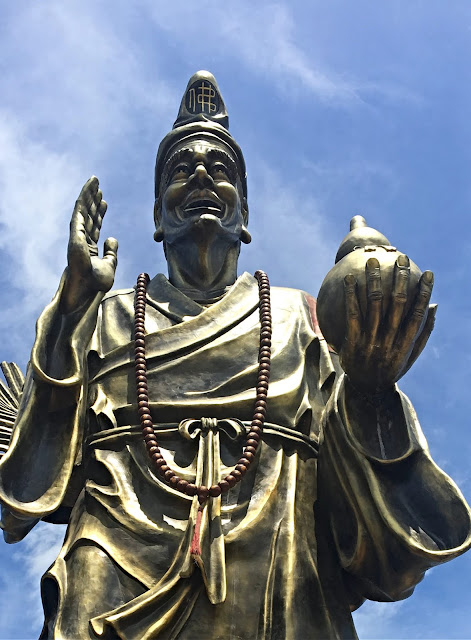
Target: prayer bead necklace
<point x="256" y="426"/>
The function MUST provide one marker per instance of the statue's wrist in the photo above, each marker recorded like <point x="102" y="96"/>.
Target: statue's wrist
<point x="76" y="296"/>
<point x="372" y="397"/>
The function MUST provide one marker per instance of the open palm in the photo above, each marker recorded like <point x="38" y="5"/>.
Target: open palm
<point x="87" y="273"/>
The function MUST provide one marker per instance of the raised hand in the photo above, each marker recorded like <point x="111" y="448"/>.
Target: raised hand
<point x="379" y="348"/>
<point x="86" y="272"/>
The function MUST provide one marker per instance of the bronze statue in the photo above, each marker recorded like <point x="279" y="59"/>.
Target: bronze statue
<point x="225" y="471"/>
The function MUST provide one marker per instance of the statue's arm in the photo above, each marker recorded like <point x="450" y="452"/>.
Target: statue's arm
<point x="391" y="511"/>
<point x="46" y="442"/>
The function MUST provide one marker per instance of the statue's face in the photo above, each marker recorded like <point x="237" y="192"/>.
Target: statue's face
<point x="201" y="192"/>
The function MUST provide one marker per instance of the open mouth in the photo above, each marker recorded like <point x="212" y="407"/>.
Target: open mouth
<point x="203" y="205"/>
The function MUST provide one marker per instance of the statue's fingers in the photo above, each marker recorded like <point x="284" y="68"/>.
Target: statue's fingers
<point x="102" y="208"/>
<point x="95" y="206"/>
<point x="90" y="186"/>
<point x="417" y="315"/>
<point x="89" y="220"/>
<point x="98" y="198"/>
<point x="95" y="232"/>
<point x="83" y="202"/>
<point x="110" y="252"/>
<point x="423" y="338"/>
<point x="93" y="211"/>
<point x="100" y="214"/>
<point x="88" y="197"/>
<point x="78" y="248"/>
<point x="398" y="300"/>
<point x="89" y="190"/>
<point x="77" y="221"/>
<point x="353" y="312"/>
<point x="374" y="303"/>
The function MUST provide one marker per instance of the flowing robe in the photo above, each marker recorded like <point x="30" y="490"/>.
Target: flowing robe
<point x="343" y="501"/>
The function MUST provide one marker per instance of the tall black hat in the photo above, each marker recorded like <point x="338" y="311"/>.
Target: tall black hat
<point x="202" y="114"/>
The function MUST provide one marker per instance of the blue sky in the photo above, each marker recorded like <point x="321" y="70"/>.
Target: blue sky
<point x="340" y="107"/>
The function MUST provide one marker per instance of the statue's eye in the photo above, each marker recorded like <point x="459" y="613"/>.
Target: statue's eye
<point x="219" y="172"/>
<point x="181" y="171"/>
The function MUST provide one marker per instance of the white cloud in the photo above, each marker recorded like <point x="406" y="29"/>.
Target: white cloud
<point x="87" y="82"/>
<point x="20" y="580"/>
<point x="263" y="37"/>
<point x="378" y="619"/>
<point x="291" y="235"/>
<point x="32" y="202"/>
<point x="37" y="187"/>
<point x="59" y="118"/>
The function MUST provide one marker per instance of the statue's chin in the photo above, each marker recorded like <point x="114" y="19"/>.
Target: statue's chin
<point x="204" y="231"/>
<point x="208" y="220"/>
<point x="209" y="228"/>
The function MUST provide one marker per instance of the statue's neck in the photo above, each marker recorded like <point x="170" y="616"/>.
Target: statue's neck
<point x="202" y="273"/>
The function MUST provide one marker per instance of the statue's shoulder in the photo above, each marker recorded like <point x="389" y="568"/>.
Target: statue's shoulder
<point x="297" y="301"/>
<point x="294" y="296"/>
<point x="118" y="293"/>
<point x="117" y="303"/>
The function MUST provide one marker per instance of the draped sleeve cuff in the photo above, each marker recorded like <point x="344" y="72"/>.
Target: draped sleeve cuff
<point x="36" y="473"/>
<point x="393" y="513"/>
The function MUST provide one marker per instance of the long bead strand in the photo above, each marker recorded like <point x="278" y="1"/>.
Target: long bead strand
<point x="256" y="427"/>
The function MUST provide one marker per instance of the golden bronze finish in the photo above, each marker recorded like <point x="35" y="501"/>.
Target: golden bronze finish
<point x="383" y="321"/>
<point x="338" y="500"/>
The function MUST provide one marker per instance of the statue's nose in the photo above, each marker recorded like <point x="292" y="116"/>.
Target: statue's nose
<point x="201" y="177"/>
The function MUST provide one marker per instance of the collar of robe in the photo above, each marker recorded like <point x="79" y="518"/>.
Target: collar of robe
<point x="196" y="325"/>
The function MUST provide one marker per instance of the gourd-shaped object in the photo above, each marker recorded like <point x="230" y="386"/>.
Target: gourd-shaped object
<point x="358" y="246"/>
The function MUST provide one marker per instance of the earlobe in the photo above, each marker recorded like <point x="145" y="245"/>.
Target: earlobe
<point x="158" y="234"/>
<point x="245" y="236"/>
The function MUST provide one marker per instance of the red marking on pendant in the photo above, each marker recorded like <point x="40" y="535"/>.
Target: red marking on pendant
<point x="195" y="548"/>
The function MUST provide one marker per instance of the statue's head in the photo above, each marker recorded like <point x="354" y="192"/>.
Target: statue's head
<point x="200" y="179"/>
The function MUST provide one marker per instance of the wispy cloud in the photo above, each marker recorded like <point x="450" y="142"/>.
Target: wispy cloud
<point x="87" y="73"/>
<point x="37" y="186"/>
<point x="20" y="580"/>
<point x="50" y="146"/>
<point x="264" y="38"/>
<point x="378" y="620"/>
<point x="287" y="222"/>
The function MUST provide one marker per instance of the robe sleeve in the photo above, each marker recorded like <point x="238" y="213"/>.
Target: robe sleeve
<point x="392" y="512"/>
<point x="36" y="471"/>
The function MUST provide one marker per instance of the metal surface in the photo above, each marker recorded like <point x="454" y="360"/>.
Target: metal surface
<point x="343" y="501"/>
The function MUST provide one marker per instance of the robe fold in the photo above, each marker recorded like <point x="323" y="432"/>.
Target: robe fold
<point x="340" y="504"/>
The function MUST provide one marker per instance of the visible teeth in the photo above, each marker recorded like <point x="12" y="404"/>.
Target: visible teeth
<point x="209" y="209"/>
<point x="203" y="204"/>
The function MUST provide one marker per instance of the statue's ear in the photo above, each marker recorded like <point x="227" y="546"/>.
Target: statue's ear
<point x="158" y="234"/>
<point x="245" y="236"/>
